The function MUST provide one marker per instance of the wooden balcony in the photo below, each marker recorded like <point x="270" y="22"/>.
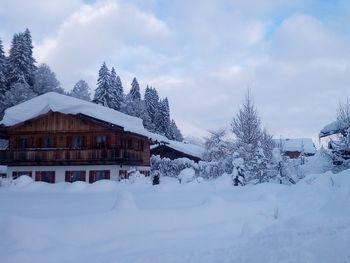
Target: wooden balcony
<point x="70" y="156"/>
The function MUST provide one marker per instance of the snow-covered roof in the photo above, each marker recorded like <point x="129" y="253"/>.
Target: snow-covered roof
<point x="188" y="148"/>
<point x="331" y="128"/>
<point x="55" y="102"/>
<point x="296" y="145"/>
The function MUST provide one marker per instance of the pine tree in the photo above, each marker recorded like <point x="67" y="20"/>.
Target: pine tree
<point x="21" y="64"/>
<point x="18" y="93"/>
<point x="27" y="39"/>
<point x="117" y="90"/>
<point x="3" y="87"/>
<point x="103" y="94"/>
<point x="251" y="144"/>
<point x="175" y="133"/>
<point x="135" y="90"/>
<point x="81" y="90"/>
<point x="216" y="146"/>
<point x="162" y="118"/>
<point x="2" y="69"/>
<point x="45" y="81"/>
<point x="152" y="105"/>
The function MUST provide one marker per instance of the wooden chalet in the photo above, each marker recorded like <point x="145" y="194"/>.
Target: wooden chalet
<point x="55" y="138"/>
<point x="174" y="150"/>
<point x="295" y="147"/>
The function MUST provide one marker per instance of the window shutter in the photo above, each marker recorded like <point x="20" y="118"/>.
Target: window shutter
<point x="107" y="174"/>
<point x="82" y="176"/>
<point x="37" y="176"/>
<point x="91" y="177"/>
<point x="67" y="176"/>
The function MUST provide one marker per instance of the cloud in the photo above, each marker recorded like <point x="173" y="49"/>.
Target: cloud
<point x="107" y="30"/>
<point x="203" y="55"/>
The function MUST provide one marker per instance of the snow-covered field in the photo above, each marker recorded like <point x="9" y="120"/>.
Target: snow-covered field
<point x="211" y="221"/>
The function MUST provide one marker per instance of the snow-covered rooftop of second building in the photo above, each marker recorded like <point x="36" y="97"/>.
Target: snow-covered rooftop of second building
<point x="55" y="102"/>
<point x="296" y="145"/>
<point x="188" y="148"/>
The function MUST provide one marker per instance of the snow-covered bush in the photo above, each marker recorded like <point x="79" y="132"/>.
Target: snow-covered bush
<point x="187" y="175"/>
<point x="171" y="168"/>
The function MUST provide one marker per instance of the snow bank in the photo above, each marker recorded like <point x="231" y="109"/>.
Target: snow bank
<point x="124" y="202"/>
<point x="187" y="175"/>
<point x="23" y="181"/>
<point x="208" y="222"/>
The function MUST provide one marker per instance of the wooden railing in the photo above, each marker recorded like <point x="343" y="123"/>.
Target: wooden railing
<point x="70" y="156"/>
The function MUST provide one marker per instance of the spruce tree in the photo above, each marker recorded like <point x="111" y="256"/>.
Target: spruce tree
<point x="162" y="120"/>
<point x="251" y="142"/>
<point x="2" y="69"/>
<point x="3" y="84"/>
<point x="28" y="45"/>
<point x="175" y="133"/>
<point x="21" y="64"/>
<point x="117" y="90"/>
<point x="103" y="94"/>
<point x="152" y="105"/>
<point x="135" y="90"/>
<point x="81" y="91"/>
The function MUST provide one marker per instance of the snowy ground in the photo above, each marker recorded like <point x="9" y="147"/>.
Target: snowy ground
<point x="195" y="222"/>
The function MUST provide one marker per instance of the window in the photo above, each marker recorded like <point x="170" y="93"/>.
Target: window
<point x="123" y="174"/>
<point x="101" y="141"/>
<point x="45" y="176"/>
<point x="47" y="142"/>
<point x="17" y="174"/>
<point x="77" y="143"/>
<point x="74" y="176"/>
<point x="97" y="175"/>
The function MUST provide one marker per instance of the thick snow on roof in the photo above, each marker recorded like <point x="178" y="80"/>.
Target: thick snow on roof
<point x="331" y="128"/>
<point x="296" y="145"/>
<point x="188" y="148"/>
<point x="55" y="102"/>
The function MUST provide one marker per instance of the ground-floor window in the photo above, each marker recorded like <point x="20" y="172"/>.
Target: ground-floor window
<point x="73" y="176"/>
<point x="45" y="176"/>
<point x="123" y="174"/>
<point x="17" y="174"/>
<point x="97" y="175"/>
<point x="145" y="172"/>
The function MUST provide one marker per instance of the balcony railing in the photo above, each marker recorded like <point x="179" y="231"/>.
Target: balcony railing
<point x="70" y="156"/>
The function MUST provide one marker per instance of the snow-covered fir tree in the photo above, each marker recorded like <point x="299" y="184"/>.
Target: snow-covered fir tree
<point x="175" y="133"/>
<point x="135" y="90"/>
<point x="103" y="93"/>
<point x="18" y="93"/>
<point x="2" y="69"/>
<point x="45" y="81"/>
<point x="81" y="90"/>
<point x="152" y="104"/>
<point x="3" y="86"/>
<point x="216" y="146"/>
<point x="249" y="141"/>
<point x="21" y="64"/>
<point x="162" y="118"/>
<point x="133" y="103"/>
<point x="117" y="90"/>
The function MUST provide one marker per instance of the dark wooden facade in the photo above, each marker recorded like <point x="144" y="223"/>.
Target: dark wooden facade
<point x="165" y="151"/>
<point x="63" y="139"/>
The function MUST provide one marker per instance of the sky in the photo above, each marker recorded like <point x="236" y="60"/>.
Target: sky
<point x="203" y="55"/>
